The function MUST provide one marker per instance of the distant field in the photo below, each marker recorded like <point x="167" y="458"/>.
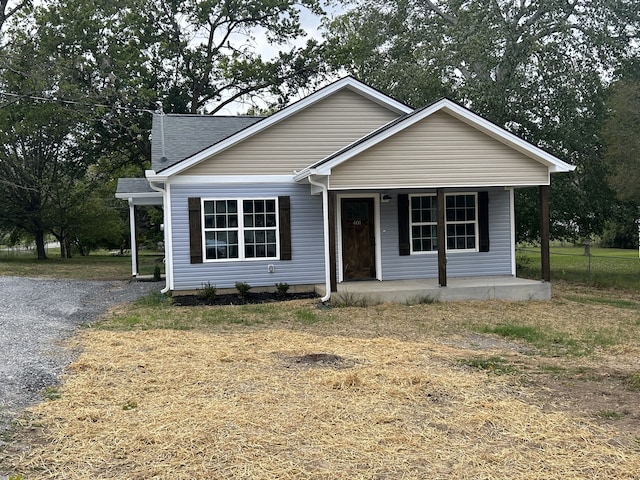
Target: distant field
<point x="101" y="265"/>
<point x="606" y="267"/>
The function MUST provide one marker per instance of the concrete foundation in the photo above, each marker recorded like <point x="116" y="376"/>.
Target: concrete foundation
<point x="419" y="291"/>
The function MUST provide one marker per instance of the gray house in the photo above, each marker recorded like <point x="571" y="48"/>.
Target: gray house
<point x="347" y="189"/>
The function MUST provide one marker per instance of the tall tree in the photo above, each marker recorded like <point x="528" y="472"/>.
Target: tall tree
<point x="622" y="135"/>
<point x="534" y="67"/>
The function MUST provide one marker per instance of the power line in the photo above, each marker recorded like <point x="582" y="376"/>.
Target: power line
<point x="73" y="102"/>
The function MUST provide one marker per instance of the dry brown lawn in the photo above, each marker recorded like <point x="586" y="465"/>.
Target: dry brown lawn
<point x="386" y="392"/>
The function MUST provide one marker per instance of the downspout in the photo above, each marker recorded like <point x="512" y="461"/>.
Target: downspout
<point x="167" y="273"/>
<point x="327" y="255"/>
<point x="134" y="243"/>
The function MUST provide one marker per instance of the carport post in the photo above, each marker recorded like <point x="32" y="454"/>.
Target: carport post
<point x="134" y="244"/>
<point x="544" y="233"/>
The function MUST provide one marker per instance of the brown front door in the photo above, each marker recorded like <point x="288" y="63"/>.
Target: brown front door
<point x="358" y="239"/>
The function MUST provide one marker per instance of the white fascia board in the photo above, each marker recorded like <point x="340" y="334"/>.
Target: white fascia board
<point x="141" y="195"/>
<point x="500" y="134"/>
<point x="347" y="82"/>
<point x="230" y="179"/>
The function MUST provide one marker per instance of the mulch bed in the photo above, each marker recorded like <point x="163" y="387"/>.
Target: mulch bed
<point x="234" y="299"/>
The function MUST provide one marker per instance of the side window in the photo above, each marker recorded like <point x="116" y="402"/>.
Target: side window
<point x="240" y="229"/>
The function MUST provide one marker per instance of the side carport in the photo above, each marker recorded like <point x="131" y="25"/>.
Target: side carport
<point x="137" y="192"/>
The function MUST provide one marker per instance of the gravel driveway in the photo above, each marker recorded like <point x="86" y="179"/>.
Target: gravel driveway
<point x="36" y="315"/>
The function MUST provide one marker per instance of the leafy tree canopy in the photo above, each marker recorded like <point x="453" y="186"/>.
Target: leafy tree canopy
<point x="536" y="68"/>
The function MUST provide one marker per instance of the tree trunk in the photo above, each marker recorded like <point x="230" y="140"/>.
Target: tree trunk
<point x="42" y="254"/>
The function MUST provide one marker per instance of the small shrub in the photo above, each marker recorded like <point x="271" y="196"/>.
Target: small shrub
<point x="208" y="292"/>
<point x="156" y="273"/>
<point x="282" y="289"/>
<point x="243" y="289"/>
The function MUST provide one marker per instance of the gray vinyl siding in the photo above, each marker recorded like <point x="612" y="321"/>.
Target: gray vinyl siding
<point x="438" y="151"/>
<point x="300" y="140"/>
<point x="497" y="261"/>
<point x="306" y="266"/>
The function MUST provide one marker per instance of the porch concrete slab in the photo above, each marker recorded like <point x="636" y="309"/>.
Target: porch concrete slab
<point x="458" y="289"/>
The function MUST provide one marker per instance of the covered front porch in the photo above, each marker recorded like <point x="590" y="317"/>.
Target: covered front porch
<point x="425" y="290"/>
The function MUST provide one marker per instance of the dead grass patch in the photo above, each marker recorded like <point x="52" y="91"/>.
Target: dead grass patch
<point x="197" y="404"/>
<point x="288" y="391"/>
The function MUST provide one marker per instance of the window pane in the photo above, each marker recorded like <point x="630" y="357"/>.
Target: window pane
<point x="221" y="206"/>
<point x="208" y="207"/>
<point x="259" y="206"/>
<point x="271" y="236"/>
<point x="248" y="206"/>
<point x="415" y="202"/>
<point x="450" y="201"/>
<point x="232" y="206"/>
<point x="260" y="236"/>
<point x="270" y="206"/>
<point x="248" y="221"/>
<point x="271" y="220"/>
<point x="249" y="251"/>
<point x="249" y="236"/>
<point x="260" y="220"/>
<point x="233" y="221"/>
<point x="271" y="250"/>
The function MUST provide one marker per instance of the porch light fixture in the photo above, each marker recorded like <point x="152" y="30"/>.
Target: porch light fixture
<point x="385" y="198"/>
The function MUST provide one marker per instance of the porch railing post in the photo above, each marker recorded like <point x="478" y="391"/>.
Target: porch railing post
<point x="442" y="235"/>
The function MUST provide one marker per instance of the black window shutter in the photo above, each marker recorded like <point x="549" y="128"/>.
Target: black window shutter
<point x="195" y="230"/>
<point x="284" y="214"/>
<point x="483" y="221"/>
<point x="403" y="224"/>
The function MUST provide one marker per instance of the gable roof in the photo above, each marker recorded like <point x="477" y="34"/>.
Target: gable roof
<point x="324" y="166"/>
<point x="224" y="143"/>
<point x="179" y="136"/>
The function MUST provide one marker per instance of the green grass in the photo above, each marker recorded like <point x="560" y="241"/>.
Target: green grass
<point x="100" y="265"/>
<point x="496" y="365"/>
<point x="606" y="268"/>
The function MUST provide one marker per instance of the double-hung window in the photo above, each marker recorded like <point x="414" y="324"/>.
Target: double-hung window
<point x="240" y="229"/>
<point x="461" y="221"/>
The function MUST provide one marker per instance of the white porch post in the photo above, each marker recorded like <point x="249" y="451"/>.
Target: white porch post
<point x="134" y="246"/>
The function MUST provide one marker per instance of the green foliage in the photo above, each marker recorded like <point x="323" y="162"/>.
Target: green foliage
<point x="606" y="268"/>
<point x="243" y="289"/>
<point x="157" y="275"/>
<point x="208" y="292"/>
<point x="51" y="393"/>
<point x="154" y="298"/>
<point x="496" y="365"/>
<point x="282" y="289"/>
<point x="534" y="68"/>
<point x="622" y="139"/>
<point x="306" y="316"/>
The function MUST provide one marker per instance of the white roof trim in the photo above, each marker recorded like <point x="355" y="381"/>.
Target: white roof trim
<point x="323" y="167"/>
<point x="126" y="196"/>
<point x="346" y="82"/>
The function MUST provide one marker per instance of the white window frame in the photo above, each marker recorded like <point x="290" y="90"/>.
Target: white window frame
<point x="241" y="229"/>
<point x="447" y="223"/>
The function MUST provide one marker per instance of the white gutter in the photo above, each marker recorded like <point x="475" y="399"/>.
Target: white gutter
<point x="327" y="254"/>
<point x="167" y="270"/>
